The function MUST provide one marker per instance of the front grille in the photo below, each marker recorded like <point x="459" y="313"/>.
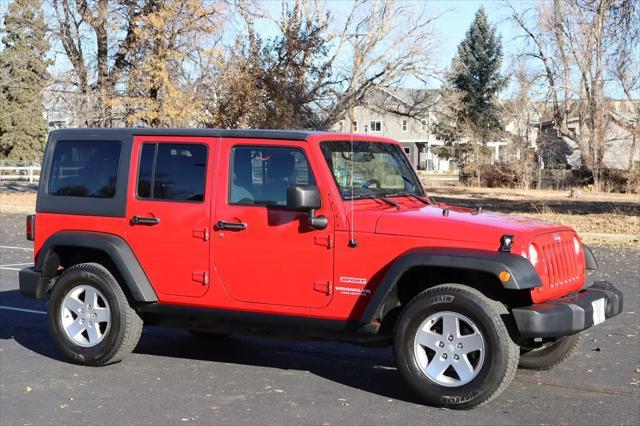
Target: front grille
<point x="561" y="269"/>
<point x="561" y="261"/>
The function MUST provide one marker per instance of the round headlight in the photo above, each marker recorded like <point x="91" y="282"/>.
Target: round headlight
<point x="533" y="255"/>
<point x="576" y="245"/>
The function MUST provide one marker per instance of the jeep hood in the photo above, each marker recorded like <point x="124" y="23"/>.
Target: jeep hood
<point x="460" y="224"/>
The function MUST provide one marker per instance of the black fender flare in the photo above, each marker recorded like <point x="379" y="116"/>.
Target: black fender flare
<point x="113" y="246"/>
<point x="590" y="261"/>
<point x="523" y="275"/>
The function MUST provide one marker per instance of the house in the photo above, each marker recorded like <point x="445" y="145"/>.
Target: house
<point x="402" y="114"/>
<point x="407" y="116"/>
<point x="621" y="147"/>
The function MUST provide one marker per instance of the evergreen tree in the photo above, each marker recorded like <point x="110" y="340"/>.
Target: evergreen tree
<point x="23" y="76"/>
<point x="469" y="115"/>
<point x="476" y="74"/>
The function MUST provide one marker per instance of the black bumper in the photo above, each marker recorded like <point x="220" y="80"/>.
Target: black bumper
<point x="32" y="283"/>
<point x="570" y="314"/>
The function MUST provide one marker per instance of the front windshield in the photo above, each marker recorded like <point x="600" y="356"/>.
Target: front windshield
<point x="374" y="169"/>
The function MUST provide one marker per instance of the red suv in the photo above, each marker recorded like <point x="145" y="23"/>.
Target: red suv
<point x="299" y="233"/>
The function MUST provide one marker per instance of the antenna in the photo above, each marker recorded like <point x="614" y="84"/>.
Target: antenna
<point x="353" y="243"/>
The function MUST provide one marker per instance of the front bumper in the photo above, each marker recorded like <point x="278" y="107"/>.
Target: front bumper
<point x="32" y="283"/>
<point x="570" y="314"/>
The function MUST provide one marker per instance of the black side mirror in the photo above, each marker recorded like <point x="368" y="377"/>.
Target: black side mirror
<point x="303" y="198"/>
<point x="307" y="198"/>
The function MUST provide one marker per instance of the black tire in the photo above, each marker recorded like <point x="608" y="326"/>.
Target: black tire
<point x="125" y="326"/>
<point x="550" y="355"/>
<point x="500" y="356"/>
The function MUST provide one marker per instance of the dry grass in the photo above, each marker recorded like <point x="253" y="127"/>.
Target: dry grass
<point x="17" y="199"/>
<point x="589" y="213"/>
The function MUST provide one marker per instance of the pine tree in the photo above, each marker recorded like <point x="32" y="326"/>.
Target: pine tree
<point x="476" y="74"/>
<point x="469" y="115"/>
<point x="23" y="75"/>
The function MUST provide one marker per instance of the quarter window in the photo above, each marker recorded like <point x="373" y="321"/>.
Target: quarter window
<point x="84" y="169"/>
<point x="173" y="172"/>
<point x="261" y="175"/>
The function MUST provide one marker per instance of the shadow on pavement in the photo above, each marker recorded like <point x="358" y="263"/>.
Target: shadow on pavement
<point x="370" y="370"/>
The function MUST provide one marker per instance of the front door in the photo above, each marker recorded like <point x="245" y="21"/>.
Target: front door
<point x="265" y="253"/>
<point x="168" y="212"/>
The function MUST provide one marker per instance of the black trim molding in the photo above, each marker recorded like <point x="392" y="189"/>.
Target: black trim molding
<point x="113" y="246"/>
<point x="590" y="260"/>
<point x="522" y="274"/>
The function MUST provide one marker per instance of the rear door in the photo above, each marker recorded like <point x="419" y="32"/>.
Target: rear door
<point x="168" y="212"/>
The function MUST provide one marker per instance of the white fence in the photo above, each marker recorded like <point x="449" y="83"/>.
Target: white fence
<point x="30" y="173"/>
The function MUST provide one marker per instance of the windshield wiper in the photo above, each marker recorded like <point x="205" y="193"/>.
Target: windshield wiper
<point x="377" y="197"/>
<point x="408" y="194"/>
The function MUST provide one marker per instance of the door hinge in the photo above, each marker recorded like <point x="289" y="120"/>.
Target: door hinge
<point x="201" y="277"/>
<point x="201" y="233"/>
<point x="323" y="286"/>
<point x="324" y="241"/>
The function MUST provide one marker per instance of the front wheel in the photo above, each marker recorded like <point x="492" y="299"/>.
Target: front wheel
<point x="550" y="355"/>
<point x="453" y="348"/>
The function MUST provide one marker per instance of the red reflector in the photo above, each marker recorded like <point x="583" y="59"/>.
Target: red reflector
<point x="31" y="227"/>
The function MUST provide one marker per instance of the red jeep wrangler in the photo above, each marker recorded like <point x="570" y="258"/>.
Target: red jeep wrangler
<point x="299" y="233"/>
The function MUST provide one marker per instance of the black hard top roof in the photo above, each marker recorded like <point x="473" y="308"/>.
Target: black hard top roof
<point x="122" y="132"/>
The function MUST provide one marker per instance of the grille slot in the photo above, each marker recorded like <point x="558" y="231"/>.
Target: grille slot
<point x="562" y="262"/>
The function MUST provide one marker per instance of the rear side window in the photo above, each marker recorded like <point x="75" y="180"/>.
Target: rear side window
<point x="84" y="169"/>
<point x="173" y="172"/>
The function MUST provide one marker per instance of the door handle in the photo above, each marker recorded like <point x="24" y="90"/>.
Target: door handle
<point x="137" y="220"/>
<point x="231" y="226"/>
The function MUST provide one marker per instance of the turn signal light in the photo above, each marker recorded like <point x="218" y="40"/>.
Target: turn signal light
<point x="504" y="276"/>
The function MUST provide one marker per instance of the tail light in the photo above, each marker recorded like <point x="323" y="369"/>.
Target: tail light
<point x="31" y="227"/>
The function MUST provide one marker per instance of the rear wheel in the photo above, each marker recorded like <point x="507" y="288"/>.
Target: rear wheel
<point x="452" y="347"/>
<point x="90" y="318"/>
<point x="550" y="355"/>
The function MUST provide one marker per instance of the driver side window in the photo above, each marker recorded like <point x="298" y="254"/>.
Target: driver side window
<point x="261" y="175"/>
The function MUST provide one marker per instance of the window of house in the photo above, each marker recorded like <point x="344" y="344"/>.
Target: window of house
<point x="261" y="175"/>
<point x="341" y="125"/>
<point x="84" y="169"/>
<point x="355" y="126"/>
<point x="407" y="150"/>
<point x="375" y="126"/>
<point x="172" y="172"/>
<point x="425" y="125"/>
<point x="404" y="125"/>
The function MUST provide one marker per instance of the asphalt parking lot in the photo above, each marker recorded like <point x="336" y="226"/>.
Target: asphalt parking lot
<point x="173" y="378"/>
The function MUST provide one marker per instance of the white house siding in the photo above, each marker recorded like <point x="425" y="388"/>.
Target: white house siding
<point x="416" y="139"/>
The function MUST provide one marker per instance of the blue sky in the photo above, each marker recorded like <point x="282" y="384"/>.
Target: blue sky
<point x="450" y="27"/>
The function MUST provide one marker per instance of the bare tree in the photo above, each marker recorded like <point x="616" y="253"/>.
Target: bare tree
<point x="111" y="43"/>
<point x="574" y="44"/>
<point x="79" y="25"/>
<point x="520" y="111"/>
<point x="321" y="66"/>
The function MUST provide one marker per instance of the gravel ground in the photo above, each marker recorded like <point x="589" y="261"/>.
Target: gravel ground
<point x="172" y="378"/>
